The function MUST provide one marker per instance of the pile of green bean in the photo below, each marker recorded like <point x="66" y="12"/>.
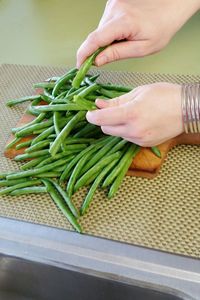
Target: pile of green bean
<point x="63" y="151"/>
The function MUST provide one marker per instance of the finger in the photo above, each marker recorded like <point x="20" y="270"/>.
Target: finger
<point x="122" y="50"/>
<point x="119" y="130"/>
<point x="101" y="103"/>
<point x="103" y="36"/>
<point x="107" y="116"/>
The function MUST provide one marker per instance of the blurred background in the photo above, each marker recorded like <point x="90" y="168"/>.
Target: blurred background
<point x="49" y="32"/>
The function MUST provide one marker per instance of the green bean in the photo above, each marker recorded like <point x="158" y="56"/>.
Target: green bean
<point x="100" y="154"/>
<point x="32" y="111"/>
<point x="156" y="151"/>
<point x="99" y="166"/>
<point x="47" y="99"/>
<point x="29" y="190"/>
<point x="59" y="201"/>
<point x="53" y="78"/>
<point x="94" y="187"/>
<point x="19" y="185"/>
<point x="93" y="78"/>
<point x="72" y="140"/>
<point x="118" y="180"/>
<point x="32" y="163"/>
<point x="10" y="182"/>
<point x="60" y="107"/>
<point x="38" y="119"/>
<point x="56" y="157"/>
<point x="36" y="171"/>
<point x="43" y="135"/>
<point x="110" y="93"/>
<point x="62" y="80"/>
<point x="38" y="146"/>
<point x="23" y="144"/>
<point x="3" y="175"/>
<point x="31" y="154"/>
<point x="88" y="90"/>
<point x="89" y="128"/>
<point x="65" y="132"/>
<point x="86" y="104"/>
<point x="73" y="162"/>
<point x="48" y="175"/>
<point x="110" y="178"/>
<point x="76" y="171"/>
<point x="13" y="142"/>
<point x="56" y="122"/>
<point x="13" y="102"/>
<point x="66" y="198"/>
<point x="44" y="85"/>
<point x="85" y="68"/>
<point x="30" y="129"/>
<point x="117" y="88"/>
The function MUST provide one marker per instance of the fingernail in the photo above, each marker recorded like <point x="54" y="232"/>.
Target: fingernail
<point x="89" y="116"/>
<point x="101" y="60"/>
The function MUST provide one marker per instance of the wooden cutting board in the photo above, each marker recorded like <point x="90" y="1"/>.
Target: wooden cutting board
<point x="145" y="164"/>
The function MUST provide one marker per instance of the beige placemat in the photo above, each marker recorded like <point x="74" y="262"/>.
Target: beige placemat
<point x="163" y="213"/>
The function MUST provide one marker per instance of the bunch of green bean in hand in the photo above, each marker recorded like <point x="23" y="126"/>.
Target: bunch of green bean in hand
<point x="64" y="152"/>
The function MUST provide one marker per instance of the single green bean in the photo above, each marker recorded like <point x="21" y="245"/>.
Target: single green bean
<point x="13" y="102"/>
<point x="43" y="135"/>
<point x="38" y="119"/>
<point x="60" y="107"/>
<point x="117" y="88"/>
<point x="60" y="202"/>
<point x="20" y="185"/>
<point x="32" y="154"/>
<point x="94" y="187"/>
<point x="66" y="198"/>
<point x="23" y="144"/>
<point x="65" y="132"/>
<point x="32" y="163"/>
<point x="118" y="180"/>
<point x="6" y="182"/>
<point x="30" y="129"/>
<point x="86" y="104"/>
<point x="62" y="80"/>
<point x="85" y="68"/>
<point x="88" y="90"/>
<point x="110" y="93"/>
<point x="52" y="174"/>
<point x="56" y="122"/>
<point x="44" y="85"/>
<point x="40" y="145"/>
<point x="50" y="159"/>
<point x="36" y="171"/>
<point x="29" y="190"/>
<point x="156" y="151"/>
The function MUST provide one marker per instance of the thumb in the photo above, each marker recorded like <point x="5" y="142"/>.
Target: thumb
<point x="122" y="50"/>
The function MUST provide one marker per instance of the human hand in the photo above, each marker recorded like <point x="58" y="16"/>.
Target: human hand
<point x="149" y="115"/>
<point x="141" y="27"/>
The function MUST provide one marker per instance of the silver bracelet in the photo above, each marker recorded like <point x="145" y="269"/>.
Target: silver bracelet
<point x="190" y="94"/>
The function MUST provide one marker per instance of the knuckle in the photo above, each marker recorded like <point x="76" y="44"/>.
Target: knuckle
<point x="93" y="37"/>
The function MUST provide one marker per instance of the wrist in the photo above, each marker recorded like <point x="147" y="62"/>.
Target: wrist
<point x="190" y="95"/>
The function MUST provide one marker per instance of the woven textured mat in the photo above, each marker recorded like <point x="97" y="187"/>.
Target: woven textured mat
<point x="162" y="213"/>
